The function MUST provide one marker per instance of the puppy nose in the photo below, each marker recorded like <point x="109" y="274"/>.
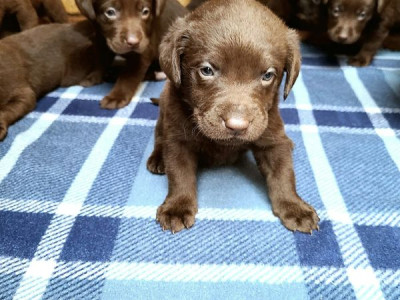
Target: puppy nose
<point x="132" y="40"/>
<point x="236" y="124"/>
<point x="342" y="37"/>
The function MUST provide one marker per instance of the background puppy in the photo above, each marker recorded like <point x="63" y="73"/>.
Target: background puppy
<point x="133" y="29"/>
<point x="225" y="62"/>
<point x="51" y="10"/>
<point x="365" y="21"/>
<point x="38" y="60"/>
<point x="22" y="9"/>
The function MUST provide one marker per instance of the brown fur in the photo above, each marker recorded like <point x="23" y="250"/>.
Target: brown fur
<point x="365" y="21"/>
<point x="51" y="11"/>
<point x="22" y="9"/>
<point x="296" y="13"/>
<point x="211" y="120"/>
<point x="130" y="24"/>
<point x="40" y="59"/>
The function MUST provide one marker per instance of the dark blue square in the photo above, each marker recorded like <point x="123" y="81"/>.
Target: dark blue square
<point x="290" y="116"/>
<point x="146" y="110"/>
<point x="327" y="60"/>
<point x="342" y="119"/>
<point x="91" y="239"/>
<point x="393" y="120"/>
<point x="382" y="244"/>
<point x="88" y="108"/>
<point x="45" y="103"/>
<point x="320" y="248"/>
<point x="20" y="233"/>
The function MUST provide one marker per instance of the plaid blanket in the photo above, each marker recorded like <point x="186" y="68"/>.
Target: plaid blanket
<point x="77" y="205"/>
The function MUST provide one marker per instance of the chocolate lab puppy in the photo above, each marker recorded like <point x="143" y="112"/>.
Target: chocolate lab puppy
<point x="367" y="22"/>
<point x="38" y="60"/>
<point x="225" y="62"/>
<point x="22" y="9"/>
<point x="52" y="10"/>
<point x="132" y="29"/>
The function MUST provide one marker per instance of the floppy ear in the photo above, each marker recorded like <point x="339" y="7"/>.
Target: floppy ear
<point x="381" y="4"/>
<point x="159" y="5"/>
<point x="86" y="8"/>
<point x="293" y="61"/>
<point x="172" y="48"/>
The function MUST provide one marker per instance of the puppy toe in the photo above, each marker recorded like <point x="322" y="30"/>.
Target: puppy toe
<point x="155" y="164"/>
<point x="359" y="61"/>
<point x="177" y="214"/>
<point x="3" y="131"/>
<point x="298" y="216"/>
<point x="110" y="102"/>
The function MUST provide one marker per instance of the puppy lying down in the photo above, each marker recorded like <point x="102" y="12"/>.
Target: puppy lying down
<point x="225" y="62"/>
<point x="38" y="60"/>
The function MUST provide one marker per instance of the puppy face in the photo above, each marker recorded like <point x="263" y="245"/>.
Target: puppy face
<point x="229" y="71"/>
<point x="126" y="24"/>
<point x="309" y="11"/>
<point x="348" y="18"/>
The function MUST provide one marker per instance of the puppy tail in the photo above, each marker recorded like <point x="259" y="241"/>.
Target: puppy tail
<point x="155" y="101"/>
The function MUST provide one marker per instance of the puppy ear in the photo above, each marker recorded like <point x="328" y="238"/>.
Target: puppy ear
<point x="171" y="49"/>
<point x="293" y="61"/>
<point x="380" y="5"/>
<point x="159" y="5"/>
<point x="86" y="8"/>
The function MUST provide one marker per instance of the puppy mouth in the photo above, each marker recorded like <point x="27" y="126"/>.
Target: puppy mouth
<point x="120" y="48"/>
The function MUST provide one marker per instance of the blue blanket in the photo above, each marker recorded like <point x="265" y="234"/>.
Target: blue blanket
<point x="77" y="205"/>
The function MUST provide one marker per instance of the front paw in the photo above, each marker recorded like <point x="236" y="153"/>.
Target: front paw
<point x="92" y="79"/>
<point x="360" y="60"/>
<point x="111" y="102"/>
<point x="3" y="130"/>
<point x="297" y="215"/>
<point x="155" y="163"/>
<point x="177" y="213"/>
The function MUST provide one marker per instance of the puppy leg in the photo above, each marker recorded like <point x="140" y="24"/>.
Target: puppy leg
<point x="370" y="47"/>
<point x="55" y="11"/>
<point x="27" y="16"/>
<point x="17" y="107"/>
<point x="180" y="207"/>
<point x="155" y="163"/>
<point x="275" y="163"/>
<point x="127" y="83"/>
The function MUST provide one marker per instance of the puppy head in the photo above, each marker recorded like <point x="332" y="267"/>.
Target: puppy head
<point x="228" y="59"/>
<point x="126" y="24"/>
<point x="348" y="18"/>
<point x="309" y="11"/>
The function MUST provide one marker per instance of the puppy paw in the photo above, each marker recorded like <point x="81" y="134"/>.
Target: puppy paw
<point x="159" y="76"/>
<point x="177" y="213"/>
<point x="297" y="215"/>
<point x="3" y="130"/>
<point x="360" y="60"/>
<point x="91" y="79"/>
<point x="110" y="102"/>
<point x="155" y="163"/>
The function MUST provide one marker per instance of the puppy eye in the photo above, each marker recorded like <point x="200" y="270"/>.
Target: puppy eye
<point x="336" y="11"/>
<point x="268" y="76"/>
<point x="207" y="71"/>
<point x="111" y="13"/>
<point x="361" y="16"/>
<point x="145" y="12"/>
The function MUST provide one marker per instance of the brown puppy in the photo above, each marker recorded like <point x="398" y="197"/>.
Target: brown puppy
<point x="23" y="10"/>
<point x="40" y="59"/>
<point x="133" y="29"/>
<point x="365" y="21"/>
<point x="225" y="62"/>
<point x="301" y="14"/>
<point x="52" y="10"/>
